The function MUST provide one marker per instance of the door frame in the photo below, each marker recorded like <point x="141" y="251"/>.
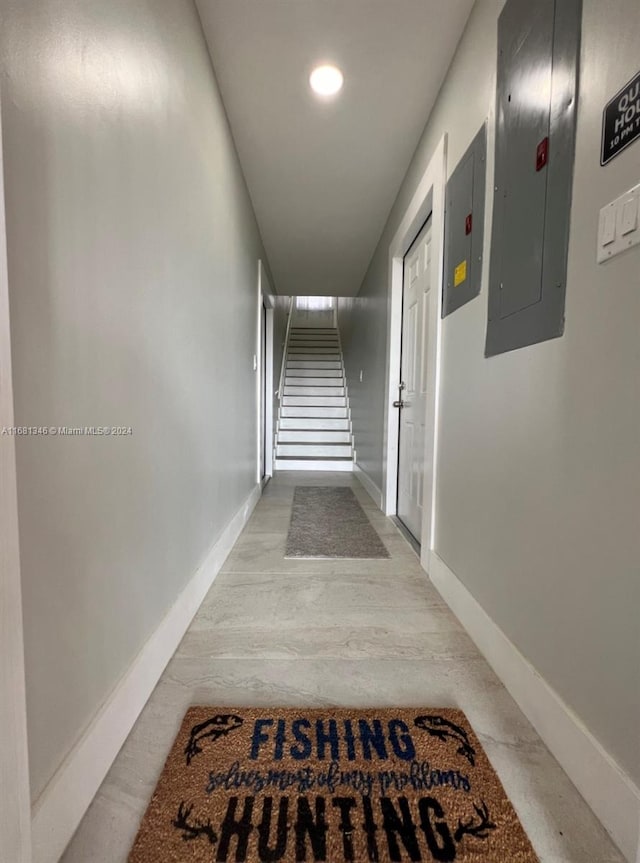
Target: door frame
<point x="264" y="418"/>
<point x="15" y="797"/>
<point x="428" y="200"/>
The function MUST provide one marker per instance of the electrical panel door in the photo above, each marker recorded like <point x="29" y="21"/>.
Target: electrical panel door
<point x="535" y="142"/>
<point x="464" y="226"/>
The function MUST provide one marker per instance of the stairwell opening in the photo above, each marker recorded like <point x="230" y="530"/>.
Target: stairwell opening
<point x="313" y="428"/>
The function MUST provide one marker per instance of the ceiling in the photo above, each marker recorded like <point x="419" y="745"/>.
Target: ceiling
<point x="323" y="175"/>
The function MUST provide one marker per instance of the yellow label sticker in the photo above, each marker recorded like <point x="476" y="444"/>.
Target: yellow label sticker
<point x="459" y="274"/>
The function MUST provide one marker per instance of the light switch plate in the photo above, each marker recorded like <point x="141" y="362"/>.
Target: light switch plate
<point x="619" y="225"/>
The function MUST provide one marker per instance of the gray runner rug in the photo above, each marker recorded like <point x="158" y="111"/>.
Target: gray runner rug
<point x="328" y="521"/>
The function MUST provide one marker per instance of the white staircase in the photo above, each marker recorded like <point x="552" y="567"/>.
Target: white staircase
<point x="314" y="422"/>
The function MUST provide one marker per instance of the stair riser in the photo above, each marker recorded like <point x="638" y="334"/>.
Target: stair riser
<point x="314" y="365"/>
<point x="332" y="331"/>
<point x="312" y="349"/>
<point x="314" y="401"/>
<point x="337" y="381"/>
<point x="320" y="464"/>
<point x="314" y="451"/>
<point x="293" y="345"/>
<point x="316" y="424"/>
<point x="315" y="358"/>
<point x="313" y="436"/>
<point x="300" y="335"/>
<point x="314" y="375"/>
<point x="314" y="343"/>
<point x="319" y="412"/>
<point x="324" y="392"/>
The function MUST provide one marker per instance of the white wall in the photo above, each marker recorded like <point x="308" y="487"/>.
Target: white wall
<point x="132" y="250"/>
<point x="539" y="462"/>
<point x="15" y="802"/>
<point x="307" y="314"/>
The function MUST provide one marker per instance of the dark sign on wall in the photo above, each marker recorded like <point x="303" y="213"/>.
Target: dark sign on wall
<point x="621" y="120"/>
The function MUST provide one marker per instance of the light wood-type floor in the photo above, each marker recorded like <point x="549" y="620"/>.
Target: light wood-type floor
<point x="335" y="632"/>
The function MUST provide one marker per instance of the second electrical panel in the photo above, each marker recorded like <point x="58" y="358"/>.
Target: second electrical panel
<point x="464" y="226"/>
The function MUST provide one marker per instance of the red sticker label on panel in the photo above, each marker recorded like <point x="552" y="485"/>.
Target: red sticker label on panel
<point x="542" y="154"/>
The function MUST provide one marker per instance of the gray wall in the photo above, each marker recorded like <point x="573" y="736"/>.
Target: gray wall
<point x="538" y="463"/>
<point x="362" y="322"/>
<point x="133" y="270"/>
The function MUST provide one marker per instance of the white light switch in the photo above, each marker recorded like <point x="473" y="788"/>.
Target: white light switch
<point x="608" y="230"/>
<point x="629" y="215"/>
<point x="619" y="225"/>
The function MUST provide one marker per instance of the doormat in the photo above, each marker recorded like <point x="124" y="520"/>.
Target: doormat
<point x="260" y="785"/>
<point x="329" y="522"/>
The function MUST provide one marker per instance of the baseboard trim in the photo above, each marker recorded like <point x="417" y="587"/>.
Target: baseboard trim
<point x="369" y="485"/>
<point x="610" y="793"/>
<point x="61" y="806"/>
<point x="334" y="465"/>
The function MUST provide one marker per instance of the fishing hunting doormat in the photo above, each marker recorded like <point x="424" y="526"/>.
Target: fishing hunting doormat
<point x="301" y="786"/>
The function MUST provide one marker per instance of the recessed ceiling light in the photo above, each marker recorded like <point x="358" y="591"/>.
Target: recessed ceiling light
<point x="326" y="80"/>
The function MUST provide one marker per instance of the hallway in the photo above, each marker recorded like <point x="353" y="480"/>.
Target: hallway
<point x="454" y="188"/>
<point x="335" y="632"/>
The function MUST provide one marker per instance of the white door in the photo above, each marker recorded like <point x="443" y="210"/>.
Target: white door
<point x="414" y="376"/>
<point x="263" y="396"/>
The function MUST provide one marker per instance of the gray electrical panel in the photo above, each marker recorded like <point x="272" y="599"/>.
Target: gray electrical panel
<point x="538" y="50"/>
<point x="464" y="226"/>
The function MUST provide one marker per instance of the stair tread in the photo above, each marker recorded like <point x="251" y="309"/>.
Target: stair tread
<point x="310" y="431"/>
<point x="315" y="458"/>
<point x="311" y="424"/>
<point x="310" y="392"/>
<point x="313" y="443"/>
